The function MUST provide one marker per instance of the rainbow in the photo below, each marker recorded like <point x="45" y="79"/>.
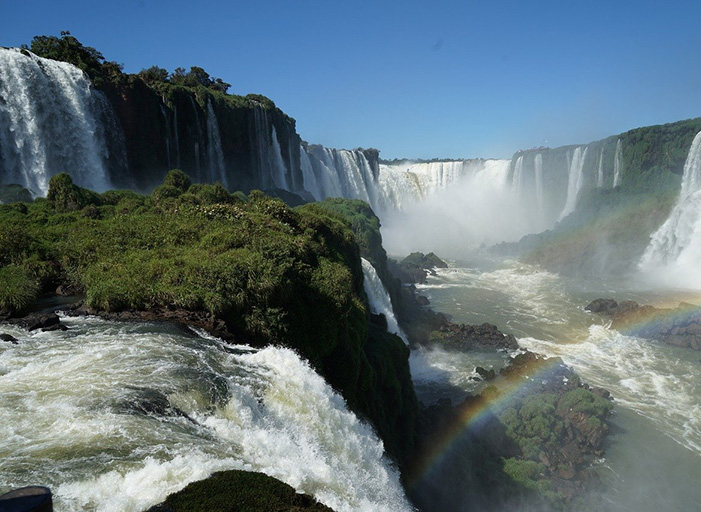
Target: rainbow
<point x="475" y="412"/>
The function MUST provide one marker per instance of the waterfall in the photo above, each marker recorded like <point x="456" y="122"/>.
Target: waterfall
<point x="166" y="122"/>
<point x="617" y="165"/>
<point x="116" y="416"/>
<point x="280" y="172"/>
<point x="379" y="299"/>
<point x="52" y="120"/>
<point x="343" y="173"/>
<point x="311" y="183"/>
<point x="600" y="173"/>
<point x="517" y="180"/>
<point x="675" y="248"/>
<point x="575" y="181"/>
<point x="539" y="191"/>
<point x="217" y="169"/>
<point x="198" y="138"/>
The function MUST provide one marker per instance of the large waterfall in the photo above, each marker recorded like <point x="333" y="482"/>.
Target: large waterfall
<point x="52" y="120"/>
<point x="379" y="299"/>
<point x="116" y="416"/>
<point x="575" y="180"/>
<point x="675" y="249"/>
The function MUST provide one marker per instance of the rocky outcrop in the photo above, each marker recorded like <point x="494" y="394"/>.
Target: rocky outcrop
<point x="546" y="430"/>
<point x="472" y="337"/>
<point x="416" y="267"/>
<point x="43" y="321"/>
<point x="239" y="491"/>
<point x="680" y="326"/>
<point x="212" y="137"/>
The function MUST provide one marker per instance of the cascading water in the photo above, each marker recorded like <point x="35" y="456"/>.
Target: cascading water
<point x="617" y="164"/>
<point x="517" y="181"/>
<point x="600" y="172"/>
<point x="575" y="181"/>
<point x="52" y="120"/>
<point x="675" y="249"/>
<point x="539" y="189"/>
<point x="116" y="416"/>
<point x="280" y="172"/>
<point x="379" y="299"/>
<point x="217" y="169"/>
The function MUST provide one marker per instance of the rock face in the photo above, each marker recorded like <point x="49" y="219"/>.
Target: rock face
<point x="244" y="143"/>
<point x="43" y="321"/>
<point x="680" y="327"/>
<point x="239" y="491"/>
<point x="416" y="267"/>
<point x="471" y="337"/>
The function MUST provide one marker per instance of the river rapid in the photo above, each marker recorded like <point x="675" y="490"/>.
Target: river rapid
<point x="116" y="416"/>
<point x="653" y="454"/>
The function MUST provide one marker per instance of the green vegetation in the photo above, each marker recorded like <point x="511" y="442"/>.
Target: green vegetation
<point x="239" y="491"/>
<point x="68" y="49"/>
<point x="533" y="425"/>
<point x="273" y="274"/>
<point x="582" y="401"/>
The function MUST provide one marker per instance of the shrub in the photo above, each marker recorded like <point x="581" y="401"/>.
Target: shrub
<point x="18" y="289"/>
<point x="178" y="179"/>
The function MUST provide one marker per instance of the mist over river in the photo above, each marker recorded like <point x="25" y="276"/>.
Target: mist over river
<point x="653" y="455"/>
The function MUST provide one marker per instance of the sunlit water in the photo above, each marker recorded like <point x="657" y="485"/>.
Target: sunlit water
<point x="653" y="457"/>
<point x="116" y="416"/>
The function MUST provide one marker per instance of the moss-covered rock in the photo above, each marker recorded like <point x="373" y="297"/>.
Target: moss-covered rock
<point x="239" y="491"/>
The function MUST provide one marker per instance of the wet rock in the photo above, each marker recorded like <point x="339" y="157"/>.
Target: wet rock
<point x="468" y="337"/>
<point x="8" y="337"/>
<point x="486" y="374"/>
<point x="43" y="321"/>
<point x="605" y="306"/>
<point x="679" y="327"/>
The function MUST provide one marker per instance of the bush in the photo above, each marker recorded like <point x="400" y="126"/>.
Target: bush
<point x="178" y="179"/>
<point x="18" y="289"/>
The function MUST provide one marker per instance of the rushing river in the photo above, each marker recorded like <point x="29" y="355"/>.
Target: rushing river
<point x="653" y="457"/>
<point x="116" y="416"/>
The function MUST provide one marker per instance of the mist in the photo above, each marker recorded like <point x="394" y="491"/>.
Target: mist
<point x="478" y="209"/>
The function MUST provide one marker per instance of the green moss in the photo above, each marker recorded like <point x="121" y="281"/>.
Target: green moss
<point x="239" y="491"/>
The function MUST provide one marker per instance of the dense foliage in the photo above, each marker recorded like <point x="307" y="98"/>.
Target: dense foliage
<point x="273" y="274"/>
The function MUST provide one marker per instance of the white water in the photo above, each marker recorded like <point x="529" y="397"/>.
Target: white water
<point x="675" y="249"/>
<point x="575" y="181"/>
<point x="600" y="173"/>
<point x="217" y="169"/>
<point x="617" y="164"/>
<point x="280" y="171"/>
<point x="653" y="459"/>
<point x="539" y="188"/>
<point x="52" y="120"/>
<point x="379" y="300"/>
<point x="73" y="407"/>
<point x="517" y="180"/>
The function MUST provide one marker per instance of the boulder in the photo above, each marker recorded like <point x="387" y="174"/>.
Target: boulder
<point x="8" y="337"/>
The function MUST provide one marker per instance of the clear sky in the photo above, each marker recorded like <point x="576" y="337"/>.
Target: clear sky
<point x="413" y="79"/>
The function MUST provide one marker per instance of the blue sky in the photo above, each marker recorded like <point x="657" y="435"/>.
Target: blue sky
<point x="413" y="79"/>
